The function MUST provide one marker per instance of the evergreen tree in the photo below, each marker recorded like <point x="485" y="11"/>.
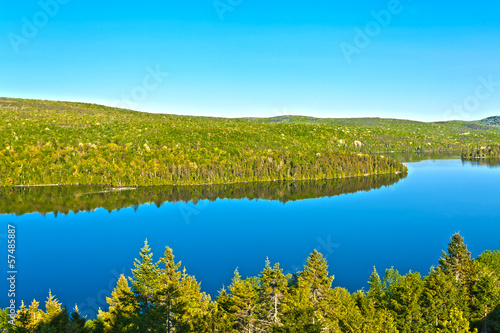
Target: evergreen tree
<point x="163" y="299"/>
<point x="457" y="261"/>
<point x="76" y="322"/>
<point x="123" y="308"/>
<point x="490" y="259"/>
<point x="298" y="311"/>
<point x="244" y="297"/>
<point x="484" y="292"/>
<point x="374" y="318"/>
<point x="144" y="286"/>
<point x="441" y="295"/>
<point x="223" y="319"/>
<point x="23" y="320"/>
<point x="305" y="305"/>
<point x="274" y="287"/>
<point x="94" y="326"/>
<point x="377" y="291"/>
<point x="342" y="313"/>
<point x="5" y="326"/>
<point x="169" y="298"/>
<point x="405" y="292"/>
<point x="52" y="308"/>
<point x="192" y="305"/>
<point x="315" y="277"/>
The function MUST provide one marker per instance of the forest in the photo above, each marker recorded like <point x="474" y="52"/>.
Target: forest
<point x="482" y="152"/>
<point x="84" y="198"/>
<point x="459" y="294"/>
<point x="65" y="143"/>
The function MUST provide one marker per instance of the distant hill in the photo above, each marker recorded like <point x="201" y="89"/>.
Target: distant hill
<point x="491" y="121"/>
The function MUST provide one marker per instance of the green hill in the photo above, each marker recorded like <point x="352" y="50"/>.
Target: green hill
<point x="491" y="121"/>
<point x="48" y="142"/>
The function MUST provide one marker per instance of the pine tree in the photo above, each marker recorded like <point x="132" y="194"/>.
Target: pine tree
<point x="77" y="321"/>
<point x="440" y="295"/>
<point x="169" y="290"/>
<point x="23" y="320"/>
<point x="36" y="315"/>
<point x="244" y="297"/>
<point x="342" y="313"/>
<point x="223" y="319"/>
<point x="144" y="285"/>
<point x="274" y="287"/>
<point x="192" y="304"/>
<point x="377" y="291"/>
<point x="52" y="307"/>
<point x="405" y="293"/>
<point x="490" y="259"/>
<point x="122" y="308"/>
<point x="95" y="326"/>
<point x="457" y="261"/>
<point x="374" y="318"/>
<point x="484" y="291"/>
<point x="306" y="303"/>
<point x="316" y="280"/>
<point x="298" y="310"/>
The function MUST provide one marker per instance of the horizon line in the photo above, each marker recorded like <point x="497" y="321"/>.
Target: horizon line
<point x="243" y="117"/>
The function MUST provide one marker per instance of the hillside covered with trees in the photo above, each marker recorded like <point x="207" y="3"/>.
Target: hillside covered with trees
<point x="459" y="295"/>
<point x="44" y="142"/>
<point x="491" y="121"/>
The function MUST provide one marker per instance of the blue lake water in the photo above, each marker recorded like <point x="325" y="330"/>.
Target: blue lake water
<point x="405" y="225"/>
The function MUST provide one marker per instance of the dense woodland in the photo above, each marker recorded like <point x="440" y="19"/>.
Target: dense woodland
<point x="482" y="152"/>
<point x="460" y="294"/>
<point x="65" y="199"/>
<point x="45" y="142"/>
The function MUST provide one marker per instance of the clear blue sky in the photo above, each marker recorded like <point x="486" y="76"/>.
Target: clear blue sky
<point x="261" y="58"/>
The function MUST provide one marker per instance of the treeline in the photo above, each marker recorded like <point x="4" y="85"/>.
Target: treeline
<point x="144" y="166"/>
<point x="65" y="199"/>
<point x="460" y="295"/>
<point x="481" y="152"/>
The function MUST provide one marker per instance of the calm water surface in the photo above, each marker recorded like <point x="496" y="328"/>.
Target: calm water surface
<point x="405" y="225"/>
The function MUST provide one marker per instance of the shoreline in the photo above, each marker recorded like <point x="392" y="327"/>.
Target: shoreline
<point x="131" y="187"/>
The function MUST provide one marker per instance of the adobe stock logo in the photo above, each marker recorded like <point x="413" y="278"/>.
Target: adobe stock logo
<point x="364" y="36"/>
<point x="139" y="93"/>
<point x="30" y="28"/>
<point x="484" y="90"/>
<point x="223" y="6"/>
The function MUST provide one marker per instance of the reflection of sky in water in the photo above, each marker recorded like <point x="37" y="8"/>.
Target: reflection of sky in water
<point x="405" y="225"/>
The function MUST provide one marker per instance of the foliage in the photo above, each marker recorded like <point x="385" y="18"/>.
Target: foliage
<point x="481" y="152"/>
<point x="492" y="121"/>
<point x="164" y="298"/>
<point x="44" y="142"/>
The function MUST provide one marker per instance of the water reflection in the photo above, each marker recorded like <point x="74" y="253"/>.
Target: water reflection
<point x="406" y="157"/>
<point x="65" y="199"/>
<point x="489" y="162"/>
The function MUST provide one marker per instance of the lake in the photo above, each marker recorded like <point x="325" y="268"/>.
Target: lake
<point x="389" y="220"/>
